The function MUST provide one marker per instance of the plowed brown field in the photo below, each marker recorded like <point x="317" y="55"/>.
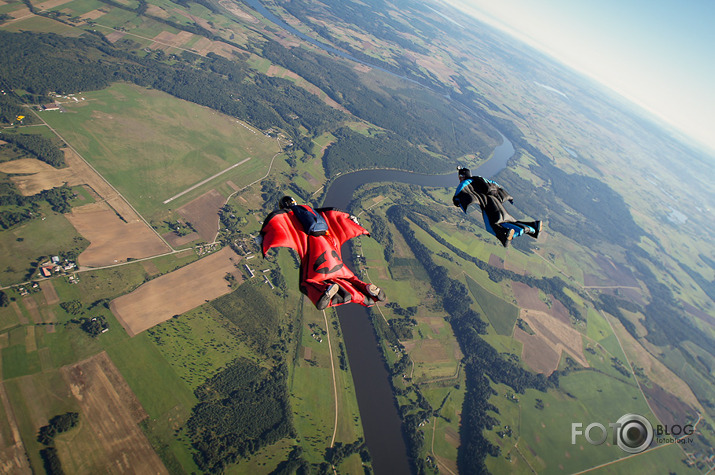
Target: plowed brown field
<point x="111" y="239"/>
<point x="173" y="294"/>
<point x="543" y="350"/>
<point x="113" y="413"/>
<point x="202" y="213"/>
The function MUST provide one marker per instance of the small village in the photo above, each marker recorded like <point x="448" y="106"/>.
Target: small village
<point x="57" y="266"/>
<point x="54" y="267"/>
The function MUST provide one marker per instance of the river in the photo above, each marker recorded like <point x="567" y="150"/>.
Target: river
<point x="380" y="419"/>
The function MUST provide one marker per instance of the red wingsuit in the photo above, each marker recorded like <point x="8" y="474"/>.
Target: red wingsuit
<point x="321" y="263"/>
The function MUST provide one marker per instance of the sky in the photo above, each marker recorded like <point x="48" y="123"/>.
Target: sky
<point x="660" y="54"/>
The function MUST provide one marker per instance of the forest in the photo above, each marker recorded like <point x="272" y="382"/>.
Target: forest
<point x="9" y="109"/>
<point x="354" y="151"/>
<point x="240" y="410"/>
<point x="15" y="208"/>
<point x="667" y="323"/>
<point x="20" y="209"/>
<point x="254" y="313"/>
<point x="418" y="115"/>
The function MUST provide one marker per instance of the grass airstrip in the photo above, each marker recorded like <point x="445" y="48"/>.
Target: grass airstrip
<point x="154" y="146"/>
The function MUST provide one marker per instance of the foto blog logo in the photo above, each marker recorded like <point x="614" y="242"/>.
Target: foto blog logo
<point x="632" y="433"/>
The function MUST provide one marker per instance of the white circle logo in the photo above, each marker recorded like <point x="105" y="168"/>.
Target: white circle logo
<point x="634" y="433"/>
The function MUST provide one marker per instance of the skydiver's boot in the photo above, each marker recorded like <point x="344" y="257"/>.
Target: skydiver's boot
<point x="532" y="229"/>
<point x="342" y="296"/>
<point x="505" y="236"/>
<point x="327" y="297"/>
<point x="376" y="292"/>
<point x="537" y="229"/>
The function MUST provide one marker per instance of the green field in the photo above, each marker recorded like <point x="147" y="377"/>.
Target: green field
<point x="43" y="25"/>
<point x="35" y="399"/>
<point x="310" y="379"/>
<point x="154" y="146"/>
<point x="584" y="397"/>
<point x="78" y="7"/>
<point x="16" y="361"/>
<point x="198" y="344"/>
<point x="441" y="434"/>
<point x="162" y="393"/>
<point x="311" y="388"/>
<point x="501" y="314"/>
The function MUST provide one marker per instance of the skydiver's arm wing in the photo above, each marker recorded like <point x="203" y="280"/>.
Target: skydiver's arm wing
<point x="343" y="226"/>
<point x="281" y="229"/>
<point x="501" y="192"/>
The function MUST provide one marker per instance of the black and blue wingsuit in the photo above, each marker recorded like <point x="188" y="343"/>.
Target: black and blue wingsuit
<point x="491" y="198"/>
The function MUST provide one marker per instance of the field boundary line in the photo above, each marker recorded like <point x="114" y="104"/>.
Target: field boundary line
<point x="335" y="384"/>
<point x="625" y="355"/>
<point x="145" y="38"/>
<point x="516" y="446"/>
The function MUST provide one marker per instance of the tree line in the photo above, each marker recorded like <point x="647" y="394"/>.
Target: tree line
<point x="58" y="198"/>
<point x="227" y="86"/>
<point x="554" y="286"/>
<point x="369" y="18"/>
<point x="603" y="216"/>
<point x="9" y="109"/>
<point x="46" y="436"/>
<point x="666" y="320"/>
<point x="38" y="146"/>
<point x="338" y="81"/>
<point x="43" y="63"/>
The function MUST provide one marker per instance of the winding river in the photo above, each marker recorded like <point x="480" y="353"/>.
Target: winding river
<point x="378" y="411"/>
